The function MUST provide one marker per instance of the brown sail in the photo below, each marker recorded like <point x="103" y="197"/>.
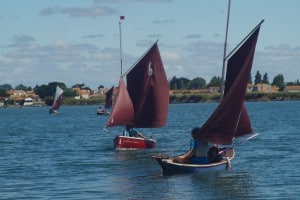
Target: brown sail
<point x="227" y="120"/>
<point x="122" y="112"/>
<point x="108" y="97"/>
<point x="148" y="88"/>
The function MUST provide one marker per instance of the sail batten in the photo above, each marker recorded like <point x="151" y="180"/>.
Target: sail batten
<point x="230" y="119"/>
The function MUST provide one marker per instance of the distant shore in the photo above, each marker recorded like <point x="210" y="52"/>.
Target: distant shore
<point x="185" y="97"/>
<point x="251" y="96"/>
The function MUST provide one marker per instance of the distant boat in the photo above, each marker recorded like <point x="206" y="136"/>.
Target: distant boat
<point x="57" y="100"/>
<point x="229" y="120"/>
<point x="108" y="102"/>
<point x="143" y="103"/>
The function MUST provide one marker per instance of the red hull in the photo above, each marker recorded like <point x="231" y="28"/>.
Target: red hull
<point x="123" y="142"/>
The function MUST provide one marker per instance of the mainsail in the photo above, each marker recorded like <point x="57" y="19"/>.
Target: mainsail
<point x="148" y="88"/>
<point x="148" y="91"/>
<point x="57" y="98"/>
<point x="230" y="119"/>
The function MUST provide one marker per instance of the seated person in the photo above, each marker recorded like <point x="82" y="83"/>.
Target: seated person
<point x="197" y="153"/>
<point x="135" y="133"/>
<point x="126" y="132"/>
<point x="100" y="110"/>
<point x="132" y="132"/>
<point x="214" y="155"/>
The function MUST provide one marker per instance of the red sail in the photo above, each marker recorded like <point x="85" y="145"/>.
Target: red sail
<point x="148" y="88"/>
<point x="222" y="125"/>
<point x="108" y="97"/>
<point x="122" y="112"/>
<point x="57" y="98"/>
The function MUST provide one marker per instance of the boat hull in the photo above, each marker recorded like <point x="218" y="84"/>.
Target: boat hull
<point x="103" y="113"/>
<point x="53" y="111"/>
<point x="170" y="167"/>
<point x="124" y="142"/>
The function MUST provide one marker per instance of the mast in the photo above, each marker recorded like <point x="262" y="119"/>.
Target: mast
<point x="224" y="53"/>
<point x="121" y="56"/>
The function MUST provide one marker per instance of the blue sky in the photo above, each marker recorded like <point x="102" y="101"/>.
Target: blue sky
<point x="76" y="41"/>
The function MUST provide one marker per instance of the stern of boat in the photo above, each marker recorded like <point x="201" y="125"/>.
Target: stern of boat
<point x="124" y="142"/>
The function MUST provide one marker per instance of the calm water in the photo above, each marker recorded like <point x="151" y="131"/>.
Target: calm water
<point x="69" y="156"/>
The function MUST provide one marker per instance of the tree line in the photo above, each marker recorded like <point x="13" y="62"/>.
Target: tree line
<point x="46" y="92"/>
<point x="200" y="83"/>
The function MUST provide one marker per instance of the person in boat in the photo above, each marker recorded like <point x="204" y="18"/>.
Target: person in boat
<point x="198" y="151"/>
<point x="100" y="110"/>
<point x="132" y="132"/>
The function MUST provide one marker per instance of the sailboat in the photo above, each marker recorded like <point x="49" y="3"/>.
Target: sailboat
<point x="229" y="120"/>
<point x="108" y="102"/>
<point x="143" y="103"/>
<point x="57" y="100"/>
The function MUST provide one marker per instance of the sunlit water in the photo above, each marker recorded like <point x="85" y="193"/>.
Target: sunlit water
<point x="69" y="156"/>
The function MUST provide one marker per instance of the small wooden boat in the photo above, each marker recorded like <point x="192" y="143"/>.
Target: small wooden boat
<point x="229" y="120"/>
<point x="170" y="166"/>
<point x="143" y="103"/>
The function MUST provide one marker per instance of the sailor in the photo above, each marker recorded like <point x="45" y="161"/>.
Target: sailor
<point x="132" y="132"/>
<point x="126" y="131"/>
<point x="200" y="147"/>
<point x="198" y="150"/>
<point x="135" y="133"/>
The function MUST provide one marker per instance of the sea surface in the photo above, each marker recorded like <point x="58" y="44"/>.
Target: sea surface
<point x="70" y="156"/>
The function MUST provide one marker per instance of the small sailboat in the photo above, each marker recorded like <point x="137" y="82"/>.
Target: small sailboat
<point x="229" y="120"/>
<point x="143" y="103"/>
<point x="57" y="100"/>
<point x="108" y="102"/>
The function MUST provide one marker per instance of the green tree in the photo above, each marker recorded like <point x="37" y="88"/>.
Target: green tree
<point x="179" y="83"/>
<point x="6" y="87"/>
<point x="173" y="83"/>
<point x="257" y="78"/>
<point x="265" y="79"/>
<point x="21" y="87"/>
<point x="215" y="81"/>
<point x="182" y="85"/>
<point x="250" y="79"/>
<point x="3" y="93"/>
<point x="197" y="83"/>
<point x="279" y="81"/>
<point x="78" y="85"/>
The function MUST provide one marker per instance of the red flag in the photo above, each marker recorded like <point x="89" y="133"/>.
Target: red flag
<point x="122" y="17"/>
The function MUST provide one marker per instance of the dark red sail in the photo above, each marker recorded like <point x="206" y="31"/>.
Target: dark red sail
<point x="122" y="112"/>
<point x="222" y="125"/>
<point x="108" y="97"/>
<point x="148" y="88"/>
<point x="234" y="66"/>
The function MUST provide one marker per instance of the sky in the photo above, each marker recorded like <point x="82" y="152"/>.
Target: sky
<point x="76" y="41"/>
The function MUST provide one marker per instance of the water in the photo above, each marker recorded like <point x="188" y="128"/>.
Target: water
<point x="69" y="156"/>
